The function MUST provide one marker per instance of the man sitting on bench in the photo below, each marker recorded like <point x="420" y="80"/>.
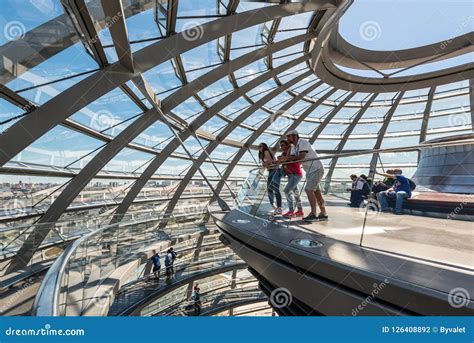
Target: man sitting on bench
<point x="359" y="190"/>
<point x="385" y="184"/>
<point x="400" y="190"/>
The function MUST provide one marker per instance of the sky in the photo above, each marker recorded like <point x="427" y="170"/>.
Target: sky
<point x="378" y="25"/>
<point x="403" y="24"/>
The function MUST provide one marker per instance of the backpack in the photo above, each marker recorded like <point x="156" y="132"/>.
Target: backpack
<point x="365" y="189"/>
<point x="156" y="260"/>
<point x="412" y="184"/>
<point x="168" y="260"/>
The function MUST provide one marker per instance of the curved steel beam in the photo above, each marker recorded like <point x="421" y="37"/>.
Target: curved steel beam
<point x="118" y="30"/>
<point x="383" y="129"/>
<point x="329" y="117"/>
<point x="226" y="131"/>
<point x="79" y="13"/>
<point x="334" y="76"/>
<point x="351" y="56"/>
<point x="41" y="120"/>
<point x="256" y="134"/>
<point x="324" y="63"/>
<point x="344" y="139"/>
<point x="29" y="51"/>
<point x="426" y="114"/>
<point x="185" y="93"/>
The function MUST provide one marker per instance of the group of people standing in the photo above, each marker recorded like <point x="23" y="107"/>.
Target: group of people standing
<point x="170" y="257"/>
<point x="296" y="154"/>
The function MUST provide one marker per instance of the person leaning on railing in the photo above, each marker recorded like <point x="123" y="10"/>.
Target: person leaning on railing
<point x="269" y="161"/>
<point x="400" y="190"/>
<point x="196" y="297"/>
<point x="294" y="173"/>
<point x="156" y="265"/>
<point x="303" y="151"/>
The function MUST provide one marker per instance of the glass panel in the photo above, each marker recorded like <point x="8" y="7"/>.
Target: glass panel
<point x="9" y="114"/>
<point x="21" y="16"/>
<point x="60" y="147"/>
<point x="378" y="23"/>
<point x="110" y="114"/>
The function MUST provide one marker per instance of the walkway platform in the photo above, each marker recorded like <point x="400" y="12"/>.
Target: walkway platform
<point x="417" y="260"/>
<point x="132" y="299"/>
<point x="446" y="241"/>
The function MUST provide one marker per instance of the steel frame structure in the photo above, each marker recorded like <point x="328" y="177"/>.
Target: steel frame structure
<point x="323" y="47"/>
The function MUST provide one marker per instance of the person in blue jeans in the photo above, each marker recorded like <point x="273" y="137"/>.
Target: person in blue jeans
<point x="294" y="173"/>
<point x="156" y="265"/>
<point x="400" y="191"/>
<point x="268" y="160"/>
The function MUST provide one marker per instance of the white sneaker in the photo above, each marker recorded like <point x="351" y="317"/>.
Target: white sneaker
<point x="278" y="211"/>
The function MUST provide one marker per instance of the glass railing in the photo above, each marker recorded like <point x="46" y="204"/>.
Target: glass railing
<point x="77" y="282"/>
<point x="215" y="290"/>
<point x="426" y="228"/>
<point x="211" y="255"/>
<point x="60" y="233"/>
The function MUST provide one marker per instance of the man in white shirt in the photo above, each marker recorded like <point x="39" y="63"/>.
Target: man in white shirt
<point x="303" y="151"/>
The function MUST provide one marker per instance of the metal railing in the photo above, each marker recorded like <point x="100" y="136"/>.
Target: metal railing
<point x="367" y="225"/>
<point x="76" y="275"/>
<point x="211" y="289"/>
<point x="12" y="238"/>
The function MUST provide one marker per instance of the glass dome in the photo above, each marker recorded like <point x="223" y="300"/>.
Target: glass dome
<point x="111" y="110"/>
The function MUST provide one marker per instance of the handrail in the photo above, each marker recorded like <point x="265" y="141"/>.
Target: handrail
<point x="204" y="195"/>
<point x="376" y="151"/>
<point x="253" y="202"/>
<point x="50" y="286"/>
<point x="134" y="218"/>
<point x="48" y="292"/>
<point x="218" y="289"/>
<point x="46" y="301"/>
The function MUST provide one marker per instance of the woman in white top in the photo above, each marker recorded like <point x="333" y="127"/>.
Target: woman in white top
<point x="268" y="160"/>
